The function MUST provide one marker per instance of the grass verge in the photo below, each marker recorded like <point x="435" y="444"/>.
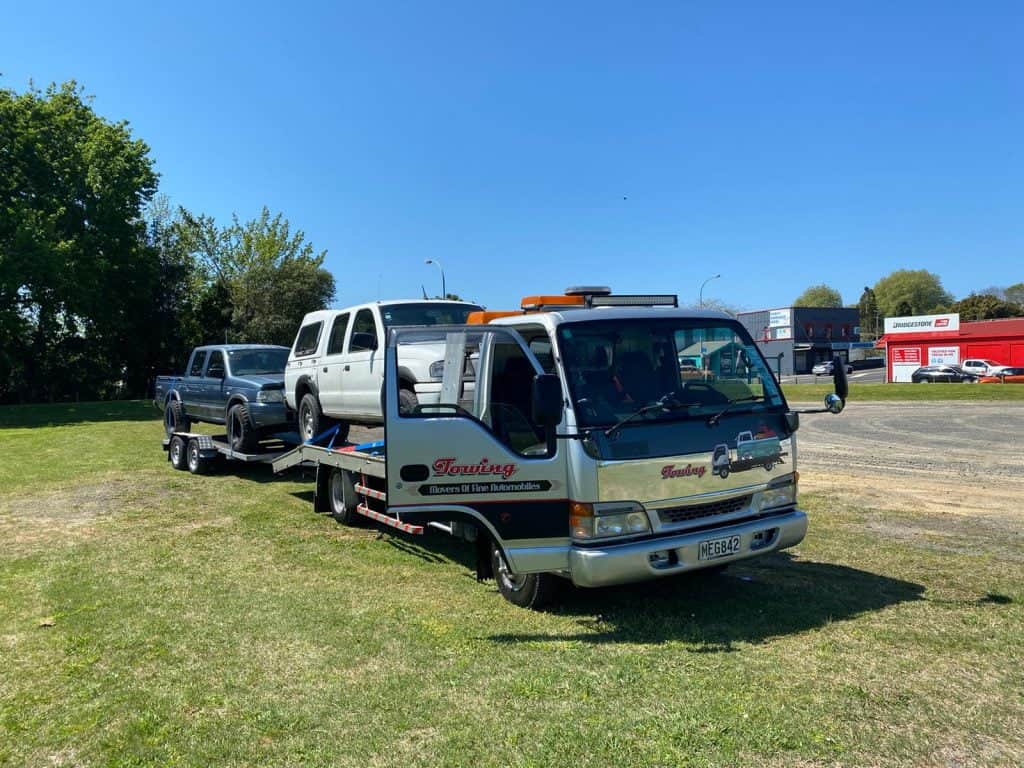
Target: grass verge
<point x="908" y="392"/>
<point x="150" y="617"/>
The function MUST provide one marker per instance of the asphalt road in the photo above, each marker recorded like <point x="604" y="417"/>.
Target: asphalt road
<point x="867" y="376"/>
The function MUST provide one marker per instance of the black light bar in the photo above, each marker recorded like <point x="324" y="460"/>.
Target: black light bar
<point x="634" y="300"/>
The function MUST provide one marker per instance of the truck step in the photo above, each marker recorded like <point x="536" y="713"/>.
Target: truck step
<point x="365" y="490"/>
<point x="394" y="522"/>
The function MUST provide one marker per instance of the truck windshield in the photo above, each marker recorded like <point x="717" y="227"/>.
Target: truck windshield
<point x="427" y="313"/>
<point x="696" y="367"/>
<point x="253" y="362"/>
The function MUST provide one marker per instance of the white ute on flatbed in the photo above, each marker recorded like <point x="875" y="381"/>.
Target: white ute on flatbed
<point x="565" y="443"/>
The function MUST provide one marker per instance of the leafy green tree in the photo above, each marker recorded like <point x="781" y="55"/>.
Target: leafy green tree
<point x="1015" y="293"/>
<point x="868" y="310"/>
<point x="910" y="292"/>
<point x="819" y="296"/>
<point x="982" y="306"/>
<point x="76" y="274"/>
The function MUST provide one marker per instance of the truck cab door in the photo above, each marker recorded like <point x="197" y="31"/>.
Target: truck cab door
<point x="363" y="366"/>
<point x="477" y="456"/>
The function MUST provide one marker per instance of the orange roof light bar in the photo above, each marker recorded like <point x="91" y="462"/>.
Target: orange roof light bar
<point x="537" y="303"/>
<point x="482" y="317"/>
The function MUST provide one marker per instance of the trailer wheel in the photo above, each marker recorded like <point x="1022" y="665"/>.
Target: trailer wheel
<point x="530" y="590"/>
<point x="176" y="452"/>
<point x="241" y="433"/>
<point x="175" y="419"/>
<point x="342" y="493"/>
<point x="197" y="465"/>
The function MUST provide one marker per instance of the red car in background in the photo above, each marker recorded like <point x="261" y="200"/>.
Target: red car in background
<point x="1005" y="376"/>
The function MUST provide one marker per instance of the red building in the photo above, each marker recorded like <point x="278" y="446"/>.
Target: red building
<point x="911" y="342"/>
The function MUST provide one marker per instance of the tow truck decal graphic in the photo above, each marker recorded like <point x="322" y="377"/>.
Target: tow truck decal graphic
<point x="447" y="466"/>
<point x="760" y="449"/>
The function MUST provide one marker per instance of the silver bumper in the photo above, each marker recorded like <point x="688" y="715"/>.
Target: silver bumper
<point x="624" y="563"/>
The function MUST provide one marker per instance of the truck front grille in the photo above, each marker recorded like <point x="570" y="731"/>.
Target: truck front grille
<point x="698" y="511"/>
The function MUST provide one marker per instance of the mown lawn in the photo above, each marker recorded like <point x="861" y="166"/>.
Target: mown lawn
<point x="907" y="392"/>
<point x="149" y="617"/>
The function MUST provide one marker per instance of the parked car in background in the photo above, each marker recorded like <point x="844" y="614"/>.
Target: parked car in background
<point x="826" y="368"/>
<point x="335" y="372"/>
<point x="941" y="373"/>
<point x="981" y="367"/>
<point x="238" y="385"/>
<point x="1005" y="375"/>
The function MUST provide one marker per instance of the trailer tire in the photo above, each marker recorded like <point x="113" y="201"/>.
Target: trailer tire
<point x="341" y="492"/>
<point x="407" y="400"/>
<point x="311" y="418"/>
<point x="176" y="452"/>
<point x="197" y="465"/>
<point x="175" y="419"/>
<point x="530" y="590"/>
<point x="242" y="435"/>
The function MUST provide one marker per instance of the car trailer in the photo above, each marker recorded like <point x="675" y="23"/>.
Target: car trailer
<point x="197" y="453"/>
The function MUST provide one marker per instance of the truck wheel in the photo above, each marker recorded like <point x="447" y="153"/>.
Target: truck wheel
<point x="407" y="400"/>
<point x="175" y="419"/>
<point x="242" y="435"/>
<point x="342" y="493"/>
<point x="531" y="590"/>
<point x="723" y="472"/>
<point x="197" y="465"/>
<point x="768" y="465"/>
<point x="311" y="419"/>
<point x="176" y="452"/>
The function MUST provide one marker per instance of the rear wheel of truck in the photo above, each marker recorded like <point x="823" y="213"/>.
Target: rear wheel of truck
<point x="342" y="494"/>
<point x="242" y="435"/>
<point x="311" y="418"/>
<point x="530" y="590"/>
<point x="197" y="465"/>
<point x="175" y="419"/>
<point x="176" y="452"/>
<point x="407" y="400"/>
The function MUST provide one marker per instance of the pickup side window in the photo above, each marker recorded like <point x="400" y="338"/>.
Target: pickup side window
<point x="336" y="343"/>
<point x="198" y="360"/>
<point x="308" y="339"/>
<point x="364" y="324"/>
<point x="215" y="368"/>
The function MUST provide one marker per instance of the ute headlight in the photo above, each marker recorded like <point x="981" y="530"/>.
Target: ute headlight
<point x="437" y="370"/>
<point x="607" y="520"/>
<point x="270" y="396"/>
<point x="781" y="493"/>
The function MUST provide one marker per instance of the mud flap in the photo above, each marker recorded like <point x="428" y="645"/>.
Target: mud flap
<point x="484" y="569"/>
<point x="321" y="496"/>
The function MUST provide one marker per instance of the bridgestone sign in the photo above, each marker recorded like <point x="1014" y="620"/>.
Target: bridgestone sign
<point x="923" y="324"/>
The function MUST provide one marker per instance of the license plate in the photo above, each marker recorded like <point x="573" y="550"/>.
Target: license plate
<point x="712" y="549"/>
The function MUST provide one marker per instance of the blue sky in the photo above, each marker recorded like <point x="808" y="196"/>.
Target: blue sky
<point x="530" y="146"/>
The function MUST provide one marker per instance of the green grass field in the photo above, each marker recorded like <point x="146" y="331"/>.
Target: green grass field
<point x="907" y="392"/>
<point x="150" y="617"/>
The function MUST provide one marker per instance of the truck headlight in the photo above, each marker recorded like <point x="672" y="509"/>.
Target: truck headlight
<point x="781" y="493"/>
<point x="270" y="396"/>
<point x="607" y="519"/>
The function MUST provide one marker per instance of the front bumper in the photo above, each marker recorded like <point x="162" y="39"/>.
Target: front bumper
<point x="631" y="562"/>
<point x="266" y="415"/>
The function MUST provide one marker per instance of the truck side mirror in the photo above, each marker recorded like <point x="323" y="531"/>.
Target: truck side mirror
<point x="546" y="400"/>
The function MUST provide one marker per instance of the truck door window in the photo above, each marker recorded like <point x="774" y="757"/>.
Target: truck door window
<point x="336" y="343"/>
<point x="364" y="324"/>
<point x="307" y="340"/>
<point x="510" y="401"/>
<point x="198" y="361"/>
<point x="215" y="368"/>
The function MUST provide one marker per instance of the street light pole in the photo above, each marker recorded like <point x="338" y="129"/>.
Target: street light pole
<point x="444" y="291"/>
<point x="701" y="295"/>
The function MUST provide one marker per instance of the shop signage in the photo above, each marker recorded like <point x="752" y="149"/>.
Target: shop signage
<point x="923" y="324"/>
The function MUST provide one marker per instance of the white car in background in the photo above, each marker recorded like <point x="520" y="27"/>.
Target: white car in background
<point x="982" y="367"/>
<point x="335" y="371"/>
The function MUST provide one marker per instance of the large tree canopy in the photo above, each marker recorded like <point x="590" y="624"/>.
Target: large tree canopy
<point x="819" y="296"/>
<point x="910" y="291"/>
<point x="76" y="276"/>
<point x="983" y="306"/>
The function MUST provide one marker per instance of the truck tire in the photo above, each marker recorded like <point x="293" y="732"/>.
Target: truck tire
<point x="311" y="418"/>
<point x="342" y="494"/>
<point x="242" y="436"/>
<point x="407" y="400"/>
<point x="176" y="452"/>
<point x="197" y="465"/>
<point x="531" y="590"/>
<point x="175" y="419"/>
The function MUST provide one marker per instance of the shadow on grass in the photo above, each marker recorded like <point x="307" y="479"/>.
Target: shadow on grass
<point x="751" y="602"/>
<point x="63" y="414"/>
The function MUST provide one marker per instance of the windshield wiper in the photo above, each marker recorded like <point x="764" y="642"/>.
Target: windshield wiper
<point x="713" y="419"/>
<point x="666" y="402"/>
